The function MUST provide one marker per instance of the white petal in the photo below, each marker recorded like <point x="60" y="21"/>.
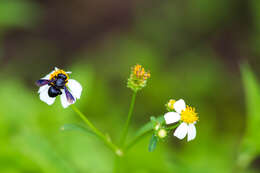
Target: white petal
<point x="44" y="96"/>
<point x="181" y="131"/>
<point x="63" y="99"/>
<point x="171" y="117"/>
<point x="75" y="88"/>
<point x="42" y="88"/>
<point x="191" y="132"/>
<point x="179" y="105"/>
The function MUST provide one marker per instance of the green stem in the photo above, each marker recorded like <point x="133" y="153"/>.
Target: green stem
<point x="129" y="116"/>
<point x="137" y="139"/>
<point x="112" y="146"/>
<point x="116" y="164"/>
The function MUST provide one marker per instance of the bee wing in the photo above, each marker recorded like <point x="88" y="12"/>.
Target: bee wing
<point x="69" y="96"/>
<point x="42" y="82"/>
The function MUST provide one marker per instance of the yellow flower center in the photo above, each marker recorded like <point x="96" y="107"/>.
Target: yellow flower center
<point x="140" y="73"/>
<point x="171" y="104"/>
<point x="57" y="72"/>
<point x="189" y="115"/>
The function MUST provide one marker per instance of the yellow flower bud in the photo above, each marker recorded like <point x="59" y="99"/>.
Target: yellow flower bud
<point x="170" y="105"/>
<point x="138" y="78"/>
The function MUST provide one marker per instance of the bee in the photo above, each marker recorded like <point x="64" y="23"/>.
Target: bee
<point x="56" y="84"/>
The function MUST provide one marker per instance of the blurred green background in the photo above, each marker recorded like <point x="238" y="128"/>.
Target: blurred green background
<point x="206" y="52"/>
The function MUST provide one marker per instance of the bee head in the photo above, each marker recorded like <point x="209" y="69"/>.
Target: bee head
<point x="62" y="76"/>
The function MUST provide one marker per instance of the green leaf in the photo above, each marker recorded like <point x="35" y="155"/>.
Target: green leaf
<point x="252" y="95"/>
<point x="153" y="143"/>
<point x="250" y="144"/>
<point x="74" y="127"/>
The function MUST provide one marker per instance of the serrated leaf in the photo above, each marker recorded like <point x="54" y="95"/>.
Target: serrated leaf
<point x="74" y="127"/>
<point x="153" y="143"/>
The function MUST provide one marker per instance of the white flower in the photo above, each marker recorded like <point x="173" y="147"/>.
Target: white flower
<point x="58" y="83"/>
<point x="188" y="118"/>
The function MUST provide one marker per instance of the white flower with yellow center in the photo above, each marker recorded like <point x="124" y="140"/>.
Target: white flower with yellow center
<point x="188" y="118"/>
<point x="58" y="83"/>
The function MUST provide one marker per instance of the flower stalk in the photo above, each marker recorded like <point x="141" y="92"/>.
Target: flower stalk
<point x="137" y="81"/>
<point x="108" y="142"/>
<point x="129" y="116"/>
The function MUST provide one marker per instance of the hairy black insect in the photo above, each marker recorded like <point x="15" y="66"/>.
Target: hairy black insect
<point x="57" y="84"/>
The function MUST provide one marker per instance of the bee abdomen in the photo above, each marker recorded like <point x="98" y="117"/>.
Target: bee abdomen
<point x="54" y="92"/>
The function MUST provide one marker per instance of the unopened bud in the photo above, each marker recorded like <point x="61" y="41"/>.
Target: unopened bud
<point x="170" y="105"/>
<point x="162" y="133"/>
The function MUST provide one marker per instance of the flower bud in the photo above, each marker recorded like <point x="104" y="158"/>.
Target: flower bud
<point x="138" y="78"/>
<point x="162" y="133"/>
<point x="170" y="105"/>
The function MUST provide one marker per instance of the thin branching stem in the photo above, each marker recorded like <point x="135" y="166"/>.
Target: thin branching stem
<point x="107" y="141"/>
<point x="125" y="131"/>
<point x="129" y="116"/>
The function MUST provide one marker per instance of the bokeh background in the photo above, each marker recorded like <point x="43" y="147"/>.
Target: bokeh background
<point x="206" y="52"/>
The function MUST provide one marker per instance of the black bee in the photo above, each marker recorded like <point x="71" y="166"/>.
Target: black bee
<point x="56" y="84"/>
<point x="54" y="92"/>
